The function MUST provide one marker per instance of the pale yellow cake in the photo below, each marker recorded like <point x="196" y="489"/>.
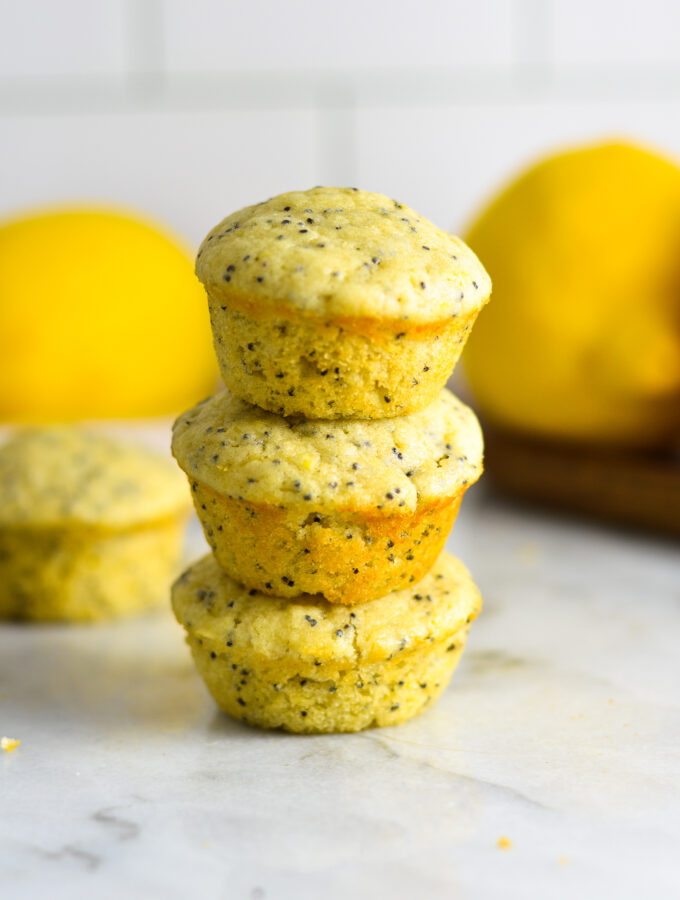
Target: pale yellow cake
<point x="337" y="302"/>
<point x="306" y="665"/>
<point x="349" y="509"/>
<point x="90" y="528"/>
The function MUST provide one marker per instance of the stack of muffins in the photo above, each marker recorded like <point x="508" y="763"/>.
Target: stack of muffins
<point x="329" y="473"/>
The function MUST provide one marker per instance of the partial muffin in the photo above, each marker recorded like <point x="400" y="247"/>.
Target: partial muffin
<point x="306" y="665"/>
<point x="348" y="509"/>
<point x="336" y="302"/>
<point x="90" y="528"/>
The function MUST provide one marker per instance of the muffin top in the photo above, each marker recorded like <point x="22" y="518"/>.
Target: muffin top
<point x="65" y="476"/>
<point x="389" y="465"/>
<point x="341" y="252"/>
<point x="223" y="613"/>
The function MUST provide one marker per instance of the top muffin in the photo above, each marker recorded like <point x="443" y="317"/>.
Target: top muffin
<point x="336" y="302"/>
<point x="342" y="252"/>
<point x="65" y="476"/>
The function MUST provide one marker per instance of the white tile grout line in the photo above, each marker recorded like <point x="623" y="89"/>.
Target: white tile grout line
<point x="303" y="89"/>
<point x="336" y="137"/>
<point x="533" y="21"/>
<point x="146" y="76"/>
<point x="149" y="85"/>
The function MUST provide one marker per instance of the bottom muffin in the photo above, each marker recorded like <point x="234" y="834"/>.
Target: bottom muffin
<point x="306" y="665"/>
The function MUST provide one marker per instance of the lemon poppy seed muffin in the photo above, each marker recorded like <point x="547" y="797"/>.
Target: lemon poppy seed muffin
<point x="335" y="302"/>
<point x="350" y="509"/>
<point x="90" y="528"/>
<point x="306" y="665"/>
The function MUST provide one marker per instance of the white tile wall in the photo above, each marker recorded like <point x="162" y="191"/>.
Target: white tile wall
<point x="190" y="169"/>
<point x="624" y="33"/>
<point x="64" y="37"/>
<point x="446" y="160"/>
<point x="204" y="36"/>
<point x="190" y="108"/>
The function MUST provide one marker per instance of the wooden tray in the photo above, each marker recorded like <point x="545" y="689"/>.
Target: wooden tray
<point x="630" y="488"/>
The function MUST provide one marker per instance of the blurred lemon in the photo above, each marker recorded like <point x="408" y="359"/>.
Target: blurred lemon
<point x="100" y="316"/>
<point x="582" y="338"/>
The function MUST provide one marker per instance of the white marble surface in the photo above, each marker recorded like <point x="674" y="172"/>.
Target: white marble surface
<point x="560" y="730"/>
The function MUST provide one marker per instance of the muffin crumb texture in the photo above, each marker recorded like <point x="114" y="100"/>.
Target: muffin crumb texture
<point x="330" y="369"/>
<point x="347" y="509"/>
<point x="329" y="472"/>
<point x="306" y="665"/>
<point x="334" y="302"/>
<point x="383" y="467"/>
<point x="342" y="252"/>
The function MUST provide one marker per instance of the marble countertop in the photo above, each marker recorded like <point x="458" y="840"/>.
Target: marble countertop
<point x="560" y="732"/>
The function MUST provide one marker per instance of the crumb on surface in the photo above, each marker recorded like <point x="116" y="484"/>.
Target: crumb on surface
<point x="504" y="843"/>
<point x="8" y="744"/>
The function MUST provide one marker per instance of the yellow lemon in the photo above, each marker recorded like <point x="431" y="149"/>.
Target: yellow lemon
<point x="582" y="339"/>
<point x="100" y="316"/>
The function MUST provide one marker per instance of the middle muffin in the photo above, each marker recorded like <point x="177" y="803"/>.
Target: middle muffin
<point x="347" y="508"/>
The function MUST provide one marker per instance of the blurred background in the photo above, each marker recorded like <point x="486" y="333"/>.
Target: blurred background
<point x="189" y="109"/>
<point x="186" y="111"/>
